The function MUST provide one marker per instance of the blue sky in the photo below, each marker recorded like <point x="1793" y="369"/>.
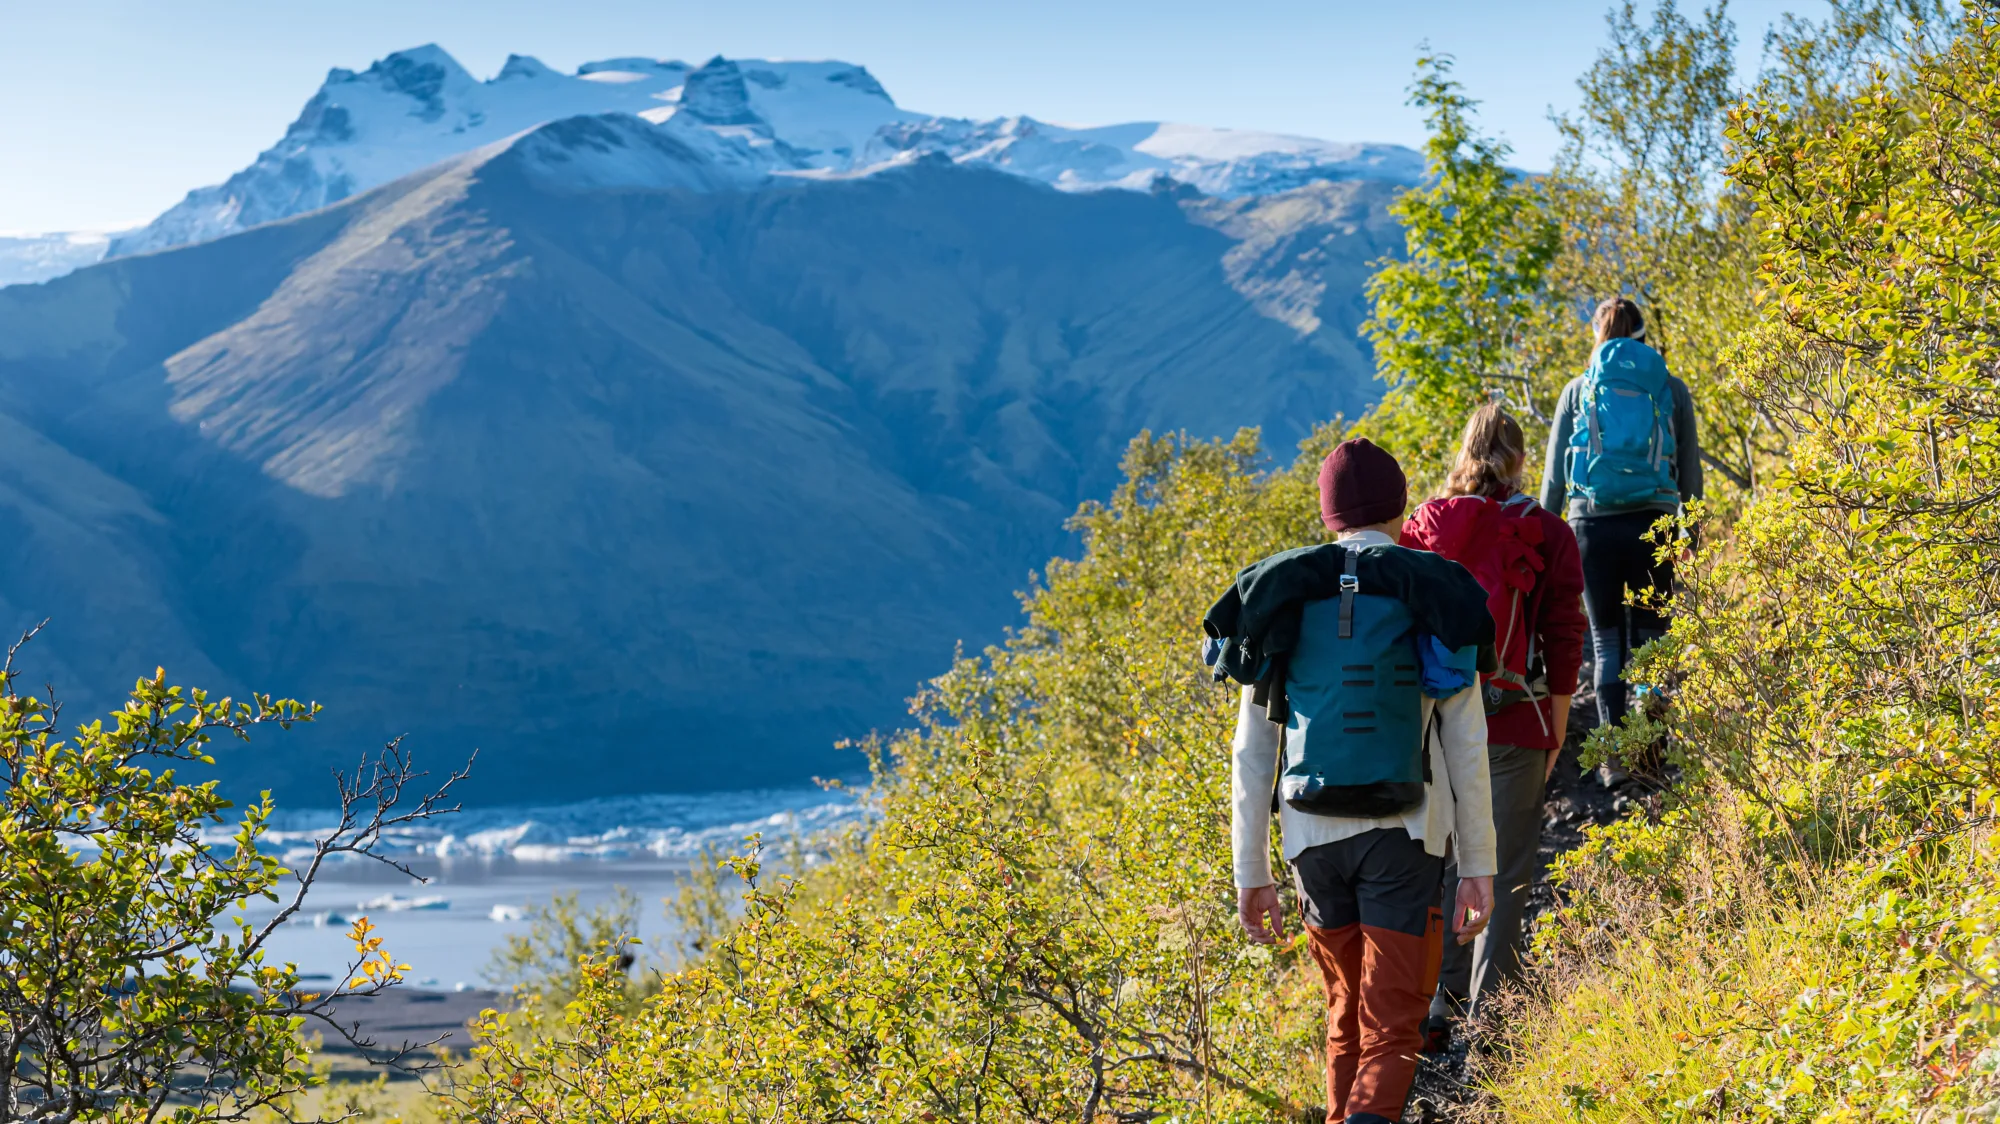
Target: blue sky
<point x="110" y="111"/>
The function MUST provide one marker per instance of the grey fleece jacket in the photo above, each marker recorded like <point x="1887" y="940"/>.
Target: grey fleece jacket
<point x="1686" y="467"/>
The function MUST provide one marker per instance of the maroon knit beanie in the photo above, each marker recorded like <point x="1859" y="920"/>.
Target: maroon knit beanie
<point x="1360" y="484"/>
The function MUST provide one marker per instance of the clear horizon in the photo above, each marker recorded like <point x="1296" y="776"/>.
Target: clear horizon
<point x="118" y="109"/>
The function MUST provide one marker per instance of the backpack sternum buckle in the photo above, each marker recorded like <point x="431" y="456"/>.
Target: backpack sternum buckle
<point x="1350" y="584"/>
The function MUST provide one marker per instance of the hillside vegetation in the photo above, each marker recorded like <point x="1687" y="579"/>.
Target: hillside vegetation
<point x="1037" y="927"/>
<point x="1809" y="935"/>
<point x="1037" y="922"/>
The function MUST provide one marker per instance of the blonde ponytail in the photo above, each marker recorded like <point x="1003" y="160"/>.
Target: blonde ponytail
<point x="1491" y="455"/>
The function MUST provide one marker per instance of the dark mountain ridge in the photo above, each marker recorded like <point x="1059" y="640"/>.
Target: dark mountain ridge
<point x="633" y="489"/>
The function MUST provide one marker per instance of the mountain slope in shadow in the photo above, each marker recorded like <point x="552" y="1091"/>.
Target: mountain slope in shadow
<point x="633" y="489"/>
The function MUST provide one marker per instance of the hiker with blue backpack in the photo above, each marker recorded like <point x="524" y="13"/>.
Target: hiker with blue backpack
<point x="1623" y="453"/>
<point x="1359" y="723"/>
<point x="1525" y="558"/>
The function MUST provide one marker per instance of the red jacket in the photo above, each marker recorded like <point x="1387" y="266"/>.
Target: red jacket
<point x="1555" y="621"/>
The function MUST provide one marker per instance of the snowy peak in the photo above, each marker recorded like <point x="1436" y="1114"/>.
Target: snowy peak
<point x="523" y="66"/>
<point x="716" y="95"/>
<point x="424" y="75"/>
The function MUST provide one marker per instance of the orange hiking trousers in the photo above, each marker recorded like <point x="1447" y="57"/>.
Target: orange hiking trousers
<point x="1372" y="919"/>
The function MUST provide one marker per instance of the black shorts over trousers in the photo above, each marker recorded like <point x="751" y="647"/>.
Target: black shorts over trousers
<point x="1372" y="917"/>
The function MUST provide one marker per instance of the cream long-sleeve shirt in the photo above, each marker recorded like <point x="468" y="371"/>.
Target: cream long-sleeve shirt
<point x="1457" y="803"/>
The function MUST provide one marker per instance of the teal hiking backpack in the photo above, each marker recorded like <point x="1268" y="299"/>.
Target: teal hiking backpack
<point x="1622" y="447"/>
<point x="1354" y="744"/>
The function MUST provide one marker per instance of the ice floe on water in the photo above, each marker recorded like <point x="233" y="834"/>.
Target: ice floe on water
<point x="656" y="826"/>
<point x="385" y="903"/>
<point x="474" y="877"/>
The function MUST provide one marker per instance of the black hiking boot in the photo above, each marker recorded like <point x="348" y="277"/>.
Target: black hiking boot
<point x="1437" y="1034"/>
<point x="1447" y="1007"/>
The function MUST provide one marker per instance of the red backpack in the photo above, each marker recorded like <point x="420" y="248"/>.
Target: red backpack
<point x="1500" y="542"/>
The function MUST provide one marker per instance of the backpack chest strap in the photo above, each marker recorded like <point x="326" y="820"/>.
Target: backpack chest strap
<point x="1349" y="586"/>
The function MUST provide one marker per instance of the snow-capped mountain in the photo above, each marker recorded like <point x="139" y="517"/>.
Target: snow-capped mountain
<point x="654" y="122"/>
<point x="561" y="406"/>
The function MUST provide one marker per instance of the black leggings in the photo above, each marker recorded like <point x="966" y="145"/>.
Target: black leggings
<point x="1617" y="556"/>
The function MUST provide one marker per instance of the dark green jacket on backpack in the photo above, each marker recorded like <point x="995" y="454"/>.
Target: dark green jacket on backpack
<point x="1253" y="627"/>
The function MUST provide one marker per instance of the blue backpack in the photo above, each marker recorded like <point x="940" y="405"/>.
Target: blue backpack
<point x="1354" y="744"/>
<point x="1622" y="448"/>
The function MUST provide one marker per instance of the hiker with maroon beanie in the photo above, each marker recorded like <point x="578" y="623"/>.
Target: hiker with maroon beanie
<point x="1525" y="557"/>
<point x="1359" y="723"/>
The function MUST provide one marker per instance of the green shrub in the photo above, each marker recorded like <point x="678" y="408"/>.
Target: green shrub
<point x="130" y="989"/>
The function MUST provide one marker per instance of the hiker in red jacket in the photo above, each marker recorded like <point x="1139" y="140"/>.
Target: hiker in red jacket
<point x="1526" y="559"/>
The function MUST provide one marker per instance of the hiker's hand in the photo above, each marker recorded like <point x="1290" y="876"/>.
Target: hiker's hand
<point x="1261" y="915"/>
<point x="1474" y="908"/>
<point x="1550" y="769"/>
